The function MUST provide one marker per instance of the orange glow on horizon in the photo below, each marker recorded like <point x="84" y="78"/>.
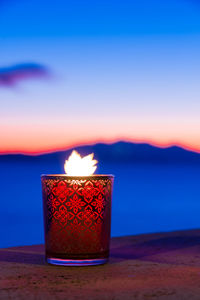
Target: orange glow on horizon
<point x="40" y="138"/>
<point x="45" y="150"/>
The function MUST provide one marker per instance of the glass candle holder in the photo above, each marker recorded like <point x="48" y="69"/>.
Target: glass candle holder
<point x="77" y="218"/>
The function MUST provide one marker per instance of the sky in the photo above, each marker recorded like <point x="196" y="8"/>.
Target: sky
<point x="81" y="72"/>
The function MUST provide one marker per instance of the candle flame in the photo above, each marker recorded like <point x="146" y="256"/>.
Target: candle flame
<point x="80" y="166"/>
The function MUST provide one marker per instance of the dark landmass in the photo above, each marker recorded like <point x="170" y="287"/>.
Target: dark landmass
<point x="120" y="152"/>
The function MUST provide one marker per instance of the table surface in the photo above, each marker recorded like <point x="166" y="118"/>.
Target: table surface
<point x="149" y="266"/>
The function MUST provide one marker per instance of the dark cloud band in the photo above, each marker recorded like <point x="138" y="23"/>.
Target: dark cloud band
<point x="10" y="76"/>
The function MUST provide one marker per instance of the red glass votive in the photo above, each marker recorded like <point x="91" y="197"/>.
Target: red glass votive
<point x="77" y="218"/>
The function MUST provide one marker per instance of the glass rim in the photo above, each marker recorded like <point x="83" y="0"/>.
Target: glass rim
<point x="94" y="176"/>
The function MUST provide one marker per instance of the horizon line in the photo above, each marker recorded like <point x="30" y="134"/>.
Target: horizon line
<point x="106" y="142"/>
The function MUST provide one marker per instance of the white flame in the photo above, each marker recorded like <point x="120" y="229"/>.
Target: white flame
<point x="80" y="166"/>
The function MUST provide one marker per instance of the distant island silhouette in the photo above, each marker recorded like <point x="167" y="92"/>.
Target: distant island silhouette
<point x="121" y="152"/>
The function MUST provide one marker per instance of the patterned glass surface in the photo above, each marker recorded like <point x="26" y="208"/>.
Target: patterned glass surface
<point x="77" y="216"/>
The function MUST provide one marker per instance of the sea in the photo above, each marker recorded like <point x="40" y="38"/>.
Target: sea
<point x="147" y="197"/>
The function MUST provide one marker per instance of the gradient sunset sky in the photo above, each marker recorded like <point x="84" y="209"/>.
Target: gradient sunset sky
<point x="114" y="70"/>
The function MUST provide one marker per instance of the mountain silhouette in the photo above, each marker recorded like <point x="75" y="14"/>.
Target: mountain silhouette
<point x="119" y="152"/>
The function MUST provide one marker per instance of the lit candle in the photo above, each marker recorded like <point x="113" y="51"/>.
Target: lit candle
<point x="77" y="213"/>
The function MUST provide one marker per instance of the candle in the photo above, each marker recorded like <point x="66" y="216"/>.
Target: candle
<point x="77" y="213"/>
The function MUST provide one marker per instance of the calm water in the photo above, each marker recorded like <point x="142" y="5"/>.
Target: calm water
<point x="147" y="198"/>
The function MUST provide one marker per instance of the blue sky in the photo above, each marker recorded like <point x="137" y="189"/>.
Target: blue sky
<point x="118" y="70"/>
<point x="98" y="18"/>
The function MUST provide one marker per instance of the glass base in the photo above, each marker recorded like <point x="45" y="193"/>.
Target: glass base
<point x="77" y="262"/>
